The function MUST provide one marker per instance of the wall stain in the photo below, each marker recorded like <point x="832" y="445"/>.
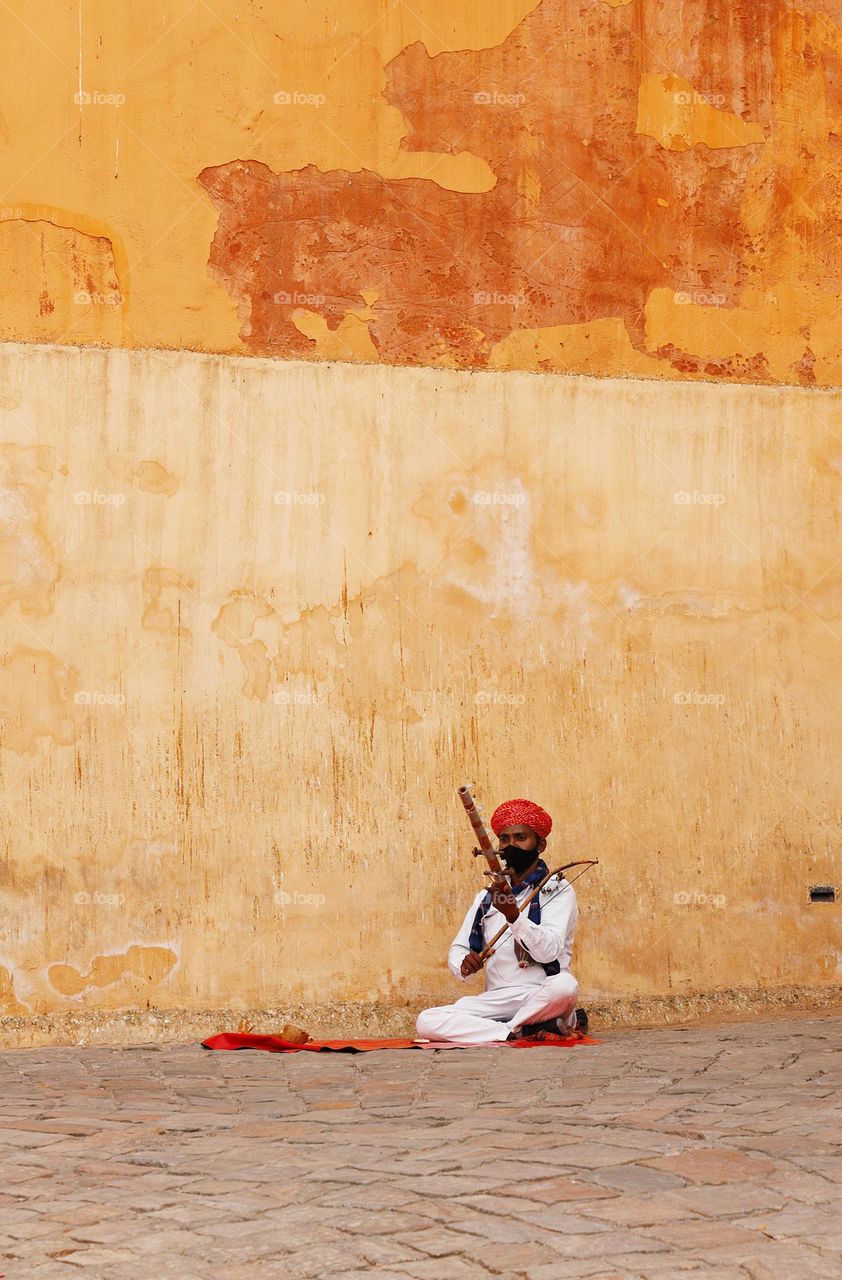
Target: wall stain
<point x="9" y="1003"/>
<point x="234" y="624"/>
<point x="35" y="700"/>
<point x="157" y="614"/>
<point x="29" y="567"/>
<point x="149" y="474"/>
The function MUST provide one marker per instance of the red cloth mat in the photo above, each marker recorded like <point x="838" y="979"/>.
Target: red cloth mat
<point x="274" y="1044"/>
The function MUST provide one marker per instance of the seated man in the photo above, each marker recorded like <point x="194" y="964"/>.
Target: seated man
<point x="529" y="989"/>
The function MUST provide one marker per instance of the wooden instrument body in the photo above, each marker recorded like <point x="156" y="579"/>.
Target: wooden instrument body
<point x="496" y="864"/>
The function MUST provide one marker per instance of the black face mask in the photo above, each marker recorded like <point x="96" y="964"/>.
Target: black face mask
<point x="519" y="860"/>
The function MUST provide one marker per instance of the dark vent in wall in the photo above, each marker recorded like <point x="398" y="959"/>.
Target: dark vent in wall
<point x="822" y="893"/>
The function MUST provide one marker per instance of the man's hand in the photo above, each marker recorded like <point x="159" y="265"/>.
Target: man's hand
<point x="502" y="897"/>
<point x="471" y="964"/>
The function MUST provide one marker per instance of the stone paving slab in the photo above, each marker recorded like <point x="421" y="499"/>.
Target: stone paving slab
<point x="710" y="1152"/>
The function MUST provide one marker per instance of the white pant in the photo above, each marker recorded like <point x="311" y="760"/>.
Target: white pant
<point x="488" y="1019"/>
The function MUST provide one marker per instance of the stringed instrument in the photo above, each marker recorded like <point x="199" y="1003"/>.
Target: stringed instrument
<point x="498" y="866"/>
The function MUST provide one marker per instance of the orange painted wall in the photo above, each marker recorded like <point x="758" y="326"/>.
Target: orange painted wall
<point x="606" y="186"/>
<point x="201" y="676"/>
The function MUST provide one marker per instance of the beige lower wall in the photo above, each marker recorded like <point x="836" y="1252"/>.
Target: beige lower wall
<point x="260" y="620"/>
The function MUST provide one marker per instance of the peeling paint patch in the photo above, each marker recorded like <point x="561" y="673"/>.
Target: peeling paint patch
<point x="583" y="348"/>
<point x="678" y="116"/>
<point x="147" y="965"/>
<point x="349" y="340"/>
<point x="525" y="111"/>
<point x="720" y="335"/>
<point x="63" y="272"/>
<point x="456" y="274"/>
<point x="705" y="176"/>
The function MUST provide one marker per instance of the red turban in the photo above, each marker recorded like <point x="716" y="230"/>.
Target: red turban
<point x="521" y="813"/>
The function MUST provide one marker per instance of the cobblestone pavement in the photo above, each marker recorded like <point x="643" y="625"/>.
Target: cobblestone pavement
<point x="708" y="1151"/>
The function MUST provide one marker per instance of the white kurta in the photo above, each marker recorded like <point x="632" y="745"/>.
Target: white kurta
<point x="513" y="996"/>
